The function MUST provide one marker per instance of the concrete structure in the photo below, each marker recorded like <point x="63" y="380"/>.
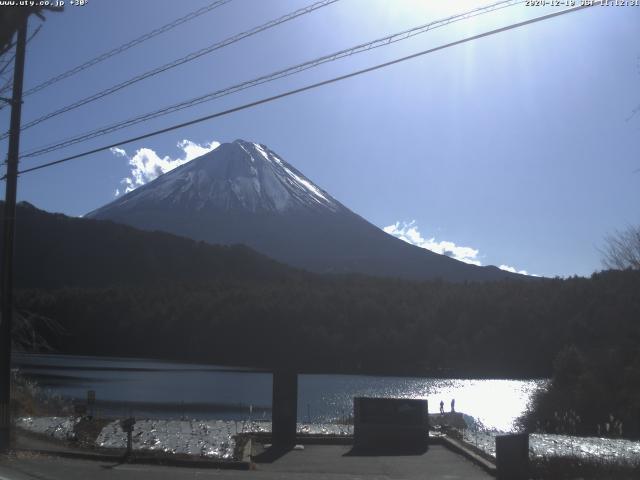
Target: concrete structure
<point x="512" y="456"/>
<point x="390" y="423"/>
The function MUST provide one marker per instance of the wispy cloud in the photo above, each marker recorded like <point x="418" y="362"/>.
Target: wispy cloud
<point x="147" y="165"/>
<point x="409" y="232"/>
<point x="508" y="268"/>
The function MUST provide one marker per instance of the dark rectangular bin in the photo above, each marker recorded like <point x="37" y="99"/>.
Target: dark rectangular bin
<point x="390" y="423"/>
<point x="512" y="456"/>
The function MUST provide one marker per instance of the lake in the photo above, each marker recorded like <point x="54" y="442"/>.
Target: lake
<point x="159" y="389"/>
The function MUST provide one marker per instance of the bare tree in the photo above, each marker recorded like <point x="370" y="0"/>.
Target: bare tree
<point x="30" y="331"/>
<point x="622" y="249"/>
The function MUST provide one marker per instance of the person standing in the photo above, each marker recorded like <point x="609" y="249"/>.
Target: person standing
<point x="453" y="405"/>
<point x="441" y="407"/>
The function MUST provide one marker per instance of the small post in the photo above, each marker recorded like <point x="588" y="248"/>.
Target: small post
<point x="91" y="402"/>
<point x="127" y="426"/>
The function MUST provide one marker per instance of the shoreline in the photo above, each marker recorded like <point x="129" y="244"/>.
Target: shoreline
<point x="168" y="433"/>
<point x="225" y="444"/>
<point x="439" y="374"/>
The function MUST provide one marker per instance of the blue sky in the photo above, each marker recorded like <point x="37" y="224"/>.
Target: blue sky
<point x="517" y="147"/>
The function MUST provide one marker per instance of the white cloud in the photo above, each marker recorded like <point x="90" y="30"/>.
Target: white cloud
<point x="194" y="150"/>
<point x="508" y="268"/>
<point x="408" y="231"/>
<point x="511" y="269"/>
<point x="118" y="152"/>
<point x="147" y="165"/>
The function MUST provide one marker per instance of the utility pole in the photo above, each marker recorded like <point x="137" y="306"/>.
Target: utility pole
<point x="9" y="221"/>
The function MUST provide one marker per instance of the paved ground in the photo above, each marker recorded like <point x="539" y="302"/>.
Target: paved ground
<point x="335" y="461"/>
<point x="315" y="462"/>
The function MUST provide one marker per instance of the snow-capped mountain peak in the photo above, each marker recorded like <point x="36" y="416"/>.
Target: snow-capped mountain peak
<point x="242" y="192"/>
<point x="235" y="176"/>
<point x="297" y="185"/>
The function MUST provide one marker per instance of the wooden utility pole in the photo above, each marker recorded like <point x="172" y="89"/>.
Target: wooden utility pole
<point x="9" y="221"/>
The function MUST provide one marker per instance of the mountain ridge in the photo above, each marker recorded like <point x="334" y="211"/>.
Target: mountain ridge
<point x="53" y="250"/>
<point x="243" y="192"/>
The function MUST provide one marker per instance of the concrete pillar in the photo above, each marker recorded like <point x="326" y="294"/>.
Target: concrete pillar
<point x="512" y="456"/>
<point x="284" y="407"/>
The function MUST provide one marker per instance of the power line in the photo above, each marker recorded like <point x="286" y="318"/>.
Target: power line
<point x="7" y="86"/>
<point x="127" y="46"/>
<point x="9" y="75"/>
<point x="312" y="86"/>
<point x="8" y="62"/>
<point x="7" y="48"/>
<point x="179" y="61"/>
<point x="121" y="48"/>
<point x="389" y="39"/>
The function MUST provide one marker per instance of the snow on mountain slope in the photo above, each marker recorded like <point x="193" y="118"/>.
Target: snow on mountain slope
<point x="235" y="176"/>
<point x="242" y="192"/>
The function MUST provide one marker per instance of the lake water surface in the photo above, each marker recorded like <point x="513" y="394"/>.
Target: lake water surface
<point x="160" y="389"/>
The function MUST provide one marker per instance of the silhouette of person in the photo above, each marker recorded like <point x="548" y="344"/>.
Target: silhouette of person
<point x="453" y="405"/>
<point x="441" y="407"/>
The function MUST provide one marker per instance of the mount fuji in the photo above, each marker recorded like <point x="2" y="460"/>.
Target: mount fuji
<point x="242" y="192"/>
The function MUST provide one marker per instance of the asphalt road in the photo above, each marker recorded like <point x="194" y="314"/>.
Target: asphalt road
<point x="315" y="462"/>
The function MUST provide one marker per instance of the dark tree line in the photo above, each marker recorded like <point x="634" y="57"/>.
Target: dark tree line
<point x="354" y="323"/>
<point x="115" y="290"/>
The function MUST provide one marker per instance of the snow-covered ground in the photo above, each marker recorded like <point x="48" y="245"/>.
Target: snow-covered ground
<point x="551" y="445"/>
<point x="205" y="438"/>
<point x="215" y="438"/>
<point x="60" y="428"/>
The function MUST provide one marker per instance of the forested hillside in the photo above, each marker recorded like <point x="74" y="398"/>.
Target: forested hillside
<point x="54" y="251"/>
<point x="353" y="324"/>
<point x="120" y="291"/>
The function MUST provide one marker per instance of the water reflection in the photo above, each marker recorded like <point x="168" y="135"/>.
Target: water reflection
<point x="493" y="404"/>
<point x="156" y="389"/>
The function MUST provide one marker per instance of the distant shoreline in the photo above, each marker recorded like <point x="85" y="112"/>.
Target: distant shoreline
<point x="213" y="367"/>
